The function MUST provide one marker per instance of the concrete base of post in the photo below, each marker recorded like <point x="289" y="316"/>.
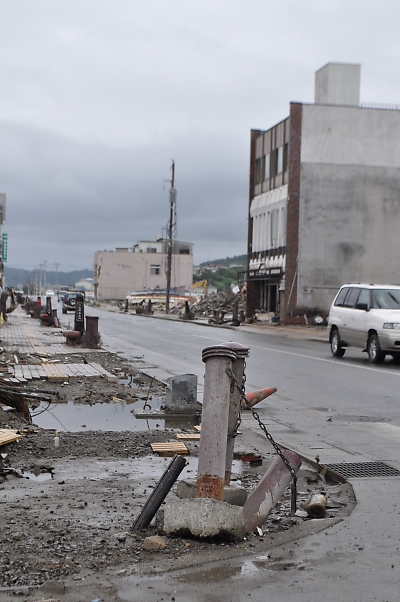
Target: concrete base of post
<point x="204" y="518"/>
<point x="233" y="495"/>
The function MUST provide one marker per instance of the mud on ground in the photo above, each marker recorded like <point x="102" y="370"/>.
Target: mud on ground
<point x="69" y="515"/>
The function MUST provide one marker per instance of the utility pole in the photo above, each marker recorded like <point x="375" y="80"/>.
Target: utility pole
<point x="56" y="265"/>
<point x="170" y="230"/>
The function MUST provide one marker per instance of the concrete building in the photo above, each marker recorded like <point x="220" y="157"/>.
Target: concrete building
<point x="324" y="202"/>
<point x="126" y="270"/>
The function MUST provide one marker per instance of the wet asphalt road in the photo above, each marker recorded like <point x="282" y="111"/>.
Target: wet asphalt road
<point x="353" y="406"/>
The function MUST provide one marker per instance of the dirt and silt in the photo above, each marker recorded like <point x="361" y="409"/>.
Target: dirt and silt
<point x="66" y="512"/>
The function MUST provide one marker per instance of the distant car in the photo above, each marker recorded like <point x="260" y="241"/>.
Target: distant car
<point x="366" y="316"/>
<point x="68" y="302"/>
<point x="49" y="293"/>
<point x="61" y="295"/>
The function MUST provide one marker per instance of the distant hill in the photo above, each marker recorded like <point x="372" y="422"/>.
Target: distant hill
<point x="221" y="273"/>
<point x="227" y="261"/>
<point x="17" y="278"/>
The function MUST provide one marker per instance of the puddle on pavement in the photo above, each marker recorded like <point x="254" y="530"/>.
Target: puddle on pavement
<point x="225" y="572"/>
<point x="76" y="417"/>
<point x="40" y="477"/>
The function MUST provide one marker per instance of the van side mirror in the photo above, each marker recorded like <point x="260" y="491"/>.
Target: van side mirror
<point x="363" y="306"/>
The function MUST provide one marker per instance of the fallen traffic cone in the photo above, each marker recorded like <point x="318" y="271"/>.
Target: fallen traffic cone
<point x="254" y="397"/>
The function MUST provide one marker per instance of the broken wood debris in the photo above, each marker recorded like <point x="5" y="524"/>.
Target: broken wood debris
<point x="8" y="436"/>
<point x="170" y="448"/>
<point x="188" y="436"/>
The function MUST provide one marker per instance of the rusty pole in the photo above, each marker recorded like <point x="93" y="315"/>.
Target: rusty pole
<point x="234" y="407"/>
<point x="214" y="424"/>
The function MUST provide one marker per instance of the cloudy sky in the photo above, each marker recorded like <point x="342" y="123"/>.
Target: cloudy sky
<point x="97" y="97"/>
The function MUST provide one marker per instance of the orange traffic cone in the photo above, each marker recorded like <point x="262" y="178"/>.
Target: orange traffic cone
<point x="254" y="397"/>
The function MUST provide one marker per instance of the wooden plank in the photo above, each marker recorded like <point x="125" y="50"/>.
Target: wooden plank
<point x="188" y="436"/>
<point x="197" y="427"/>
<point x="170" y="448"/>
<point x="54" y="372"/>
<point x="8" y="436"/>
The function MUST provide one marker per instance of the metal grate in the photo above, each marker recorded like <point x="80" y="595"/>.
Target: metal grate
<point x="363" y="470"/>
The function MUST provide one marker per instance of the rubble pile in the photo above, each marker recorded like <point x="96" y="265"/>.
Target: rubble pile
<point x="215" y="304"/>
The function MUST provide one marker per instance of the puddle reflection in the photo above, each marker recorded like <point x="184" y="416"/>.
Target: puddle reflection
<point x="75" y="417"/>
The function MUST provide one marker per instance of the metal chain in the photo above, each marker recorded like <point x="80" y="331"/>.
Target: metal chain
<point x="262" y="426"/>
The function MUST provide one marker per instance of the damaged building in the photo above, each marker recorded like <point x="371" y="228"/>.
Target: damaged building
<point x="324" y="206"/>
<point x="143" y="267"/>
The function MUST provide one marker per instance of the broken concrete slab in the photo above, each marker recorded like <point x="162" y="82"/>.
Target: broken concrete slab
<point x="233" y="494"/>
<point x="204" y="517"/>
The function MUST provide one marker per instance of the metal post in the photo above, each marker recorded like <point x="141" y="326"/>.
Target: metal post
<point x="48" y="306"/>
<point x="92" y="330"/>
<point x="234" y="407"/>
<point x="79" y="324"/>
<point x="214" y="424"/>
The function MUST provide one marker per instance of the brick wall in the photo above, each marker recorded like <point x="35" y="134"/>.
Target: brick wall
<point x="292" y="232"/>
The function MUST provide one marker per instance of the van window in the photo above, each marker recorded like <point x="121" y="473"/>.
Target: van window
<point x="341" y="296"/>
<point x="365" y="297"/>
<point x="352" y="297"/>
<point x="386" y="299"/>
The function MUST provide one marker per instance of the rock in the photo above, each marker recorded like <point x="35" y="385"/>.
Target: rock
<point x="155" y="543"/>
<point x="204" y="517"/>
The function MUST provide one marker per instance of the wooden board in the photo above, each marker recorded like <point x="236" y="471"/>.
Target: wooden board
<point x="170" y="448"/>
<point x="8" y="436"/>
<point x="197" y="428"/>
<point x="188" y="436"/>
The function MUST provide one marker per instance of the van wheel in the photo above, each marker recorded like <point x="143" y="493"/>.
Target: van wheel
<point x="336" y="348"/>
<point x="375" y="353"/>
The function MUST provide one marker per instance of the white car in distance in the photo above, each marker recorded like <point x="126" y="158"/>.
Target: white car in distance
<point x="366" y="316"/>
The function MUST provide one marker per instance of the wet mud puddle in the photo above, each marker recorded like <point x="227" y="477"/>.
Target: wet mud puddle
<point x="115" y="416"/>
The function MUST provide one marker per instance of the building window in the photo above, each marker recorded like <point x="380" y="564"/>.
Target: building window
<point x="285" y="157"/>
<point x="279" y="160"/>
<point x="151" y="250"/>
<point x="266" y="166"/>
<point x="257" y="174"/>
<point x="274" y="225"/>
<point x="155" y="270"/>
<point x="184" y="252"/>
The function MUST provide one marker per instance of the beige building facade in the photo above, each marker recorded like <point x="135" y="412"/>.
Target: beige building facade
<point x="118" y="273"/>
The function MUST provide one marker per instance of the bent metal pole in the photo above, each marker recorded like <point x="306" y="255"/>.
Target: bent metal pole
<point x="234" y="408"/>
<point x="214" y="423"/>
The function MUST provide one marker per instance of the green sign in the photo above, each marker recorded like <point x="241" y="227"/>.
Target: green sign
<point x="4" y="247"/>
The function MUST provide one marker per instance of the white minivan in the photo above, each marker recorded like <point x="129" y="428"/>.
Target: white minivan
<point x="366" y="316"/>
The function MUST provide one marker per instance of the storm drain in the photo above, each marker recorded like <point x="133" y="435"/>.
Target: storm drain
<point x="364" y="470"/>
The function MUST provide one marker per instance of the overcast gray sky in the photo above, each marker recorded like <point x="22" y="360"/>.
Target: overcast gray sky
<point x="97" y="97"/>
